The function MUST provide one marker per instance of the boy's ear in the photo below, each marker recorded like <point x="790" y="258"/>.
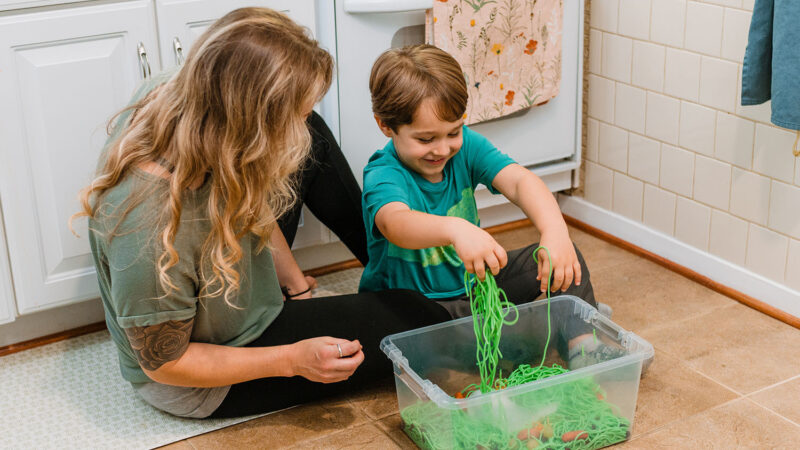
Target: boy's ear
<point x="385" y="129"/>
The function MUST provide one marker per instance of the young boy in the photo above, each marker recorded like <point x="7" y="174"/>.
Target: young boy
<point x="419" y="209"/>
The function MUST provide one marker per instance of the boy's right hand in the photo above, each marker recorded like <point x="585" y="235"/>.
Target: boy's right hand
<point x="477" y="249"/>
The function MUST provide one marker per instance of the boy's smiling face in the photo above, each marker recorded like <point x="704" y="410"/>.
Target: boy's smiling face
<point x="427" y="143"/>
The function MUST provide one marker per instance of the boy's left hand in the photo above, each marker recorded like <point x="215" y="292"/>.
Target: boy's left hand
<point x="566" y="267"/>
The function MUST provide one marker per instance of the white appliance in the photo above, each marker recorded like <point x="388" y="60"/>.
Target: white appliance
<point x="546" y="139"/>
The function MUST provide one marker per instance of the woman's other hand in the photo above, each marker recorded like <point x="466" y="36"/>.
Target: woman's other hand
<point x="317" y="359"/>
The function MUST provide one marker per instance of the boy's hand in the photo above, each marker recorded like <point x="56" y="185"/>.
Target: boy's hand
<point x="566" y="267"/>
<point x="477" y="249"/>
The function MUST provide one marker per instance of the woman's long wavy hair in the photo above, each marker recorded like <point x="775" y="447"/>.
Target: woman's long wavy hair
<point x="235" y="113"/>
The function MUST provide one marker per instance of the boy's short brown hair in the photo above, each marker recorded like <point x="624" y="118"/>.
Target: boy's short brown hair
<point x="403" y="78"/>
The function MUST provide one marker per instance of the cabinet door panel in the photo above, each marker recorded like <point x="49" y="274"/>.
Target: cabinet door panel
<point x="65" y="73"/>
<point x="6" y="292"/>
<point x="188" y="19"/>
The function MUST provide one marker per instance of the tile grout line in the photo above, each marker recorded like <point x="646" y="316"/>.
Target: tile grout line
<point x="772" y="411"/>
<point x="786" y="380"/>
<point x="663" y="426"/>
<point x="701" y="314"/>
<point x="693" y="369"/>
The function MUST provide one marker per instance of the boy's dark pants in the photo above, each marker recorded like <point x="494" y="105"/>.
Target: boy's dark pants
<point x="518" y="280"/>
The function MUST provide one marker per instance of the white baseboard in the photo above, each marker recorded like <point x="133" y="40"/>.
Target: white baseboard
<point x="704" y="263"/>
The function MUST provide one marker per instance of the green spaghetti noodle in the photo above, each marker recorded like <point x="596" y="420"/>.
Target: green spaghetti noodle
<point x="571" y="415"/>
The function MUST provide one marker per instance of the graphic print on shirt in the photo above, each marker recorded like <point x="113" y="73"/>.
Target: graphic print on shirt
<point x="433" y="256"/>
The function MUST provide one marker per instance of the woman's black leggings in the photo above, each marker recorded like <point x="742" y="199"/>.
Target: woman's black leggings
<point x="368" y="317"/>
<point x="328" y="188"/>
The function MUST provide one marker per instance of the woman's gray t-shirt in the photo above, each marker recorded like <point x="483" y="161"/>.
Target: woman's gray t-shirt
<point x="126" y="253"/>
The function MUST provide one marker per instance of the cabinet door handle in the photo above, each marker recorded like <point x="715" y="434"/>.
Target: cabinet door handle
<point x="178" y="49"/>
<point x="143" y="64"/>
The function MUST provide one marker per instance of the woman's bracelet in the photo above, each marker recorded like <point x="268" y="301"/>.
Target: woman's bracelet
<point x="285" y="291"/>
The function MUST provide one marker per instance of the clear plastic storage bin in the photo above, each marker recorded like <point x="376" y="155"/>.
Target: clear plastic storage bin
<point x="590" y="407"/>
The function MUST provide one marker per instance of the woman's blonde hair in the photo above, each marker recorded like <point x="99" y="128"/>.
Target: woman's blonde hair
<point x="403" y="78"/>
<point x="235" y="113"/>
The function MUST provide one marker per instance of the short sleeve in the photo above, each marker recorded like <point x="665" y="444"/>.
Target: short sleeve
<point x="382" y="185"/>
<point x="135" y="291"/>
<point x="484" y="160"/>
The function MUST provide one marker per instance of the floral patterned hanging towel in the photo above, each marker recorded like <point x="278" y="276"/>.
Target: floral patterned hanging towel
<point x="509" y="50"/>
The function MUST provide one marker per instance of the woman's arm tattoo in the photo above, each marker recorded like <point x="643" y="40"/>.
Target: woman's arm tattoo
<point x="159" y="344"/>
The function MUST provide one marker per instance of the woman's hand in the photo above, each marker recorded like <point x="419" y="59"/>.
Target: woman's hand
<point x="317" y="359"/>
<point x="477" y="249"/>
<point x="566" y="267"/>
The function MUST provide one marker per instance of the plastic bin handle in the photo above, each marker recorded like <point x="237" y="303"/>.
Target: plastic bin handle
<point x="415" y="388"/>
<point x="386" y="6"/>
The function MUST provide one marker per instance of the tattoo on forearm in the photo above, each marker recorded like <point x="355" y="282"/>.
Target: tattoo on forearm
<point x="159" y="344"/>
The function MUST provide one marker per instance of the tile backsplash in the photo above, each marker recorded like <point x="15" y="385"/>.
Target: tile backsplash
<point x="668" y="143"/>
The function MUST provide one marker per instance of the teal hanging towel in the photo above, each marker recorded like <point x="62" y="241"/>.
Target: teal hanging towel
<point x="772" y="60"/>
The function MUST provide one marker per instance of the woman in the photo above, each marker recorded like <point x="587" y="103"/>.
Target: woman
<point x="183" y="216"/>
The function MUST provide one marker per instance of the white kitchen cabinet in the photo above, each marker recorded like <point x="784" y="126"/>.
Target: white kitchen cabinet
<point x="183" y="21"/>
<point x="63" y="73"/>
<point x="6" y="291"/>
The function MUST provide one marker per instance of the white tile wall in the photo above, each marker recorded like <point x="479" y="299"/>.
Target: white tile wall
<point x="750" y="196"/>
<point x="669" y="144"/>
<point x="728" y="237"/>
<point x="601" y="98"/>
<point x="704" y="28"/>
<point x="712" y="182"/>
<point x="677" y="170"/>
<point x="766" y="253"/>
<point x="644" y="158"/>
<point x="604" y="15"/>
<point x="617" y="56"/>
<point x="797" y="173"/>
<point x="634" y="18"/>
<point x="667" y="22"/>
<point x="734" y="35"/>
<point x="734" y="142"/>
<point x="628" y="194"/>
<point x="598" y="185"/>
<point x="663" y="117"/>
<point x="659" y="209"/>
<point x="592" y="137"/>
<point x="613" y="147"/>
<point x="718" y="83"/>
<point x="772" y="155"/>
<point x="793" y="265"/>
<point x="682" y="76"/>
<point x="648" y="65"/>
<point x="784" y="209"/>
<point x="595" y="51"/>
<point x="692" y="223"/>
<point x="733" y="3"/>
<point x="630" y="106"/>
<point x="698" y="124"/>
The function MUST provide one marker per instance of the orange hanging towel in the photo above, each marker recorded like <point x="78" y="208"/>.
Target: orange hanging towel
<point x="509" y="50"/>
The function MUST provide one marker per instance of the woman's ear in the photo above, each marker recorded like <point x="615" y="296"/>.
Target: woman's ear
<point x="385" y="129"/>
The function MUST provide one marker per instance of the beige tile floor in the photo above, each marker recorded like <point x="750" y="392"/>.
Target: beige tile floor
<point x="724" y="376"/>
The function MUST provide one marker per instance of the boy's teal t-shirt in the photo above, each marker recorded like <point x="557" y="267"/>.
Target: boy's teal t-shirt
<point x="437" y="272"/>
